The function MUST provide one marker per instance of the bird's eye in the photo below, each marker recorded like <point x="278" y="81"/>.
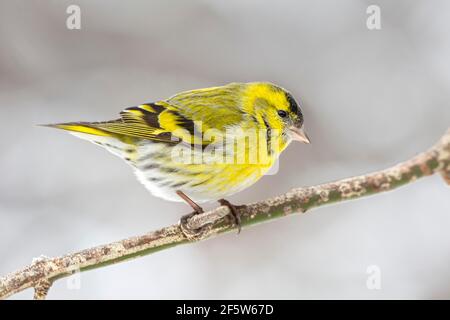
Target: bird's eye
<point x="282" y="113"/>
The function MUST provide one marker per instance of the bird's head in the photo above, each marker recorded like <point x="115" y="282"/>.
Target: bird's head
<point x="276" y="110"/>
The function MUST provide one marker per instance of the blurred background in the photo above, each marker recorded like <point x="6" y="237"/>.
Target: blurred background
<point x="371" y="98"/>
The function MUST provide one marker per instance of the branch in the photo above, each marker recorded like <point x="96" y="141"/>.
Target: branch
<point x="44" y="271"/>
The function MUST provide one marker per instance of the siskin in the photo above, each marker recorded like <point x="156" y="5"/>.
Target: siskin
<point x="203" y="144"/>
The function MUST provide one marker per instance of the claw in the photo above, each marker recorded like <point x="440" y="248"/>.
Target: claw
<point x="191" y="233"/>
<point x="234" y="212"/>
<point x="199" y="233"/>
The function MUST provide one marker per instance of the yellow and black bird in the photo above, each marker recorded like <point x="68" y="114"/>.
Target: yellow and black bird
<point x="203" y="144"/>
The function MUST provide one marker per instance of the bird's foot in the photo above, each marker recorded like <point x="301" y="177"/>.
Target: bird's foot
<point x="234" y="209"/>
<point x="193" y="234"/>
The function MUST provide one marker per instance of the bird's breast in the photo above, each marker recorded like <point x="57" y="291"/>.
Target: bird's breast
<point x="201" y="174"/>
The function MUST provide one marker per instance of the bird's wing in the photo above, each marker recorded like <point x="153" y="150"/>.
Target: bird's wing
<point x="185" y="117"/>
<point x="140" y="122"/>
<point x="215" y="108"/>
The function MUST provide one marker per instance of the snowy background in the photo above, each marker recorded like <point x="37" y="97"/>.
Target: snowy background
<point x="370" y="98"/>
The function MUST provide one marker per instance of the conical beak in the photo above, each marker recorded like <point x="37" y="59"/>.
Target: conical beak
<point x="299" y="135"/>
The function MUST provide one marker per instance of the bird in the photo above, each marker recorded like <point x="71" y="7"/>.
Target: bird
<point x="204" y="144"/>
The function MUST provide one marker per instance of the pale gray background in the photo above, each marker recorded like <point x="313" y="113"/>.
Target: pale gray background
<point x="370" y="98"/>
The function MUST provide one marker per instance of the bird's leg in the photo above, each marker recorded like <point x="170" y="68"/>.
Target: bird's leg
<point x="234" y="212"/>
<point x="190" y="233"/>
<point x="189" y="201"/>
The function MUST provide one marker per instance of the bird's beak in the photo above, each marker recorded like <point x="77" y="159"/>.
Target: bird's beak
<point x="298" y="134"/>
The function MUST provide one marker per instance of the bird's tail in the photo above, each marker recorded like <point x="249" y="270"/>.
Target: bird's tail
<point x="79" y="127"/>
<point x="115" y="143"/>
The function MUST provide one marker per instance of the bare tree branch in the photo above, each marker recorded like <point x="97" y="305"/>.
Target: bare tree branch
<point x="44" y="271"/>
